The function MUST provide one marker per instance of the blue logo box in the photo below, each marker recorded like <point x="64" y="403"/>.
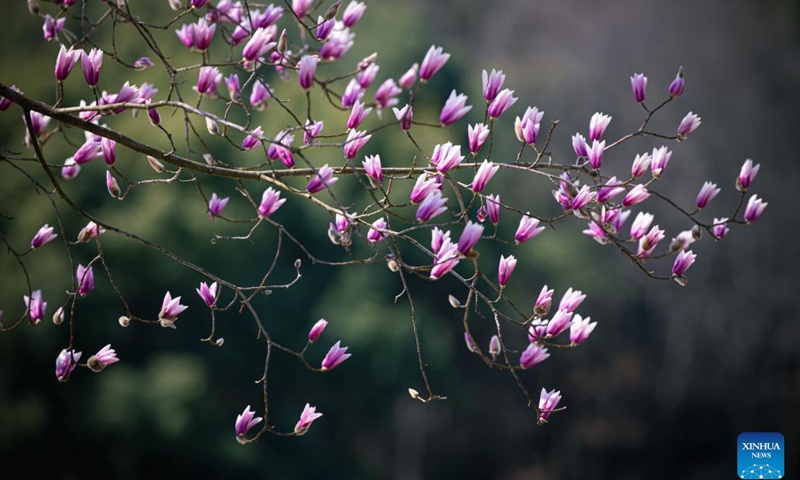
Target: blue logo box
<point x="760" y="455"/>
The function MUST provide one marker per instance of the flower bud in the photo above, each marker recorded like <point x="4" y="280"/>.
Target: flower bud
<point x="453" y="301"/>
<point x="58" y="316"/>
<point x="392" y="264"/>
<point x="112" y="186"/>
<point x="220" y="341"/>
<point x="212" y="126"/>
<point x="414" y="394"/>
<point x="124" y="321"/>
<point x="155" y="164"/>
<point x="33" y="7"/>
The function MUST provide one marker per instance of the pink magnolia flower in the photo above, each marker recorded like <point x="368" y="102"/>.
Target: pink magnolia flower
<point x="437" y="239"/>
<point x="746" y="176"/>
<point x="306" y="419"/>
<point x="357" y="115"/>
<point x="408" y="78"/>
<point x="720" y="228"/>
<point x="597" y="125"/>
<point x="558" y="323"/>
<point x="65" y="62"/>
<point x="543" y="302"/>
<point x="324" y="178"/>
<point x="454" y="108"/>
<point x="527" y="127"/>
<point x="271" y="201"/>
<point x="471" y="345"/>
<point x="244" y="422"/>
<point x="485" y="173"/>
<point x="636" y="195"/>
<point x="65" y="363"/>
<point x="683" y="261"/>
<point x="639" y="86"/>
<point x="208" y="294"/>
<point x="143" y="63"/>
<point x="677" y="85"/>
<point x="660" y="160"/>
<point x="339" y="42"/>
<point x="352" y="93"/>
<point x="36" y="306"/>
<point x="493" y="208"/>
<point x="469" y="237"/>
<point x="372" y="166"/>
<point x="433" y="205"/>
<point x="595" y="154"/>
<point x="533" y="355"/>
<point x="353" y="13"/>
<point x="85" y="278"/>
<point x="336" y="355"/>
<point x="171" y="308"/>
<point x="506" y="269"/>
<point x="108" y="148"/>
<point x="548" y="401"/>
<point x="203" y="33"/>
<point x="755" y="207"/>
<point x="579" y="145"/>
<point x="259" y="95"/>
<point x="405" y="116"/>
<point x="258" y="45"/>
<point x="504" y="100"/>
<point x="307" y="68"/>
<point x="375" y="235"/>
<point x="251" y="141"/>
<point x="52" y="27"/>
<point x="706" y="194"/>
<point x="640" y="225"/>
<point x="446" y="156"/>
<point x="433" y="62"/>
<point x="311" y="130"/>
<point x="317" y="329"/>
<point x="367" y="76"/>
<point x="100" y="360"/>
<point x="640" y="164"/>
<point x="528" y="229"/>
<point x="446" y="259"/>
<point x="44" y="236"/>
<point x="494" y="346"/>
<point x="112" y="186"/>
<point x="571" y="300"/>
<point x="186" y="35"/>
<point x="208" y="80"/>
<point x="91" y="63"/>
<point x="492" y="83"/>
<point x="580" y="329"/>
<point x="425" y="184"/>
<point x="216" y="205"/>
<point x="386" y="95"/>
<point x="649" y="242"/>
<point x="232" y="84"/>
<point x="355" y="142"/>
<point x="477" y="135"/>
<point x="90" y="231"/>
<point x="688" y="125"/>
<point x="611" y="189"/>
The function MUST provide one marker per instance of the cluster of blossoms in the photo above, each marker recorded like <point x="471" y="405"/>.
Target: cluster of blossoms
<point x="261" y="50"/>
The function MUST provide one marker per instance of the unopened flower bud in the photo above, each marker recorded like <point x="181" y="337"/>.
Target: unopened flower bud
<point x="112" y="185"/>
<point x="58" y="317"/>
<point x="333" y="10"/>
<point x="209" y="159"/>
<point x="392" y="264"/>
<point x="414" y="394"/>
<point x="298" y="263"/>
<point x="212" y="126"/>
<point x="453" y="301"/>
<point x="124" y="321"/>
<point x="220" y="341"/>
<point x="176" y="5"/>
<point x="155" y="164"/>
<point x="367" y="61"/>
<point x="696" y="232"/>
<point x="33" y="7"/>
<point x="281" y="48"/>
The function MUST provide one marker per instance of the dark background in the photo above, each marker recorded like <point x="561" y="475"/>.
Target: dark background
<point x="663" y="387"/>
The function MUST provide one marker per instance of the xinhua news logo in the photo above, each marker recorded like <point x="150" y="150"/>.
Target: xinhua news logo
<point x="760" y="455"/>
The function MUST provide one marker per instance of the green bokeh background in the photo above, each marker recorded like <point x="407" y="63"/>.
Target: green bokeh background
<point x="668" y="380"/>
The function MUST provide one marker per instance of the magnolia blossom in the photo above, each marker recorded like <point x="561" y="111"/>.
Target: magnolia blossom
<point x="307" y="67"/>
<point x="640" y="225"/>
<point x="355" y="142"/>
<point x="336" y="355"/>
<point x="311" y="130"/>
<point x="433" y="205"/>
<point x="746" y="176"/>
<point x="437" y="239"/>
<point x="454" y="108"/>
<point x="648" y="243"/>
<point x="203" y="33"/>
<point x="543" y="302"/>
<point x="558" y="323"/>
<point x="640" y="164"/>
<point x="660" y="160"/>
<point x="90" y="231"/>
<point x="375" y="235"/>
<point x="493" y="208"/>
<point x="485" y="173"/>
<point x="533" y="355"/>
<point x="271" y="201"/>
<point x="688" y="125"/>
<point x="469" y="237"/>
<point x="259" y="95"/>
<point x="471" y="345"/>
<point x="208" y="80"/>
<point x="595" y="153"/>
<point x="143" y="63"/>
<point x="208" y="294"/>
<point x="407" y="80"/>
<point x="683" y="261"/>
<point x="65" y="62"/>
<point x="112" y="185"/>
<point x="506" y="269"/>
<point x="433" y="62"/>
<point x="372" y="166"/>
<point x="216" y="205"/>
<point x="317" y="329"/>
<point x="357" y="115"/>
<point x="100" y="360"/>
<point x="636" y="195"/>
<point x="367" y="76"/>
<point x="677" y="85"/>
<point x="259" y="44"/>
<point x="580" y="329"/>
<point x="244" y="422"/>
<point x="547" y="403"/>
<point x="65" y="363"/>
<point x="352" y="93"/>
<point x="502" y="102"/>
<point x="492" y="83"/>
<point x="528" y="228"/>
<point x="597" y="125"/>
<point x="477" y="135"/>
<point x="52" y="27"/>
<point x="91" y="63"/>
<point x="446" y="156"/>
<point x="324" y="178"/>
<point x="171" y="308"/>
<point x="527" y="127"/>
<point x="85" y="278"/>
<point x="44" y="236"/>
<point x="386" y="95"/>
<point x="405" y="116"/>
<point x="446" y="259"/>
<point x="755" y="207"/>
<point x="579" y="145"/>
<point x="306" y="419"/>
<point x="251" y="141"/>
<point x="571" y="300"/>
<point x="611" y="189"/>
<point x="706" y="194"/>
<point x="639" y="86"/>
<point x="720" y="228"/>
<point x="36" y="306"/>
